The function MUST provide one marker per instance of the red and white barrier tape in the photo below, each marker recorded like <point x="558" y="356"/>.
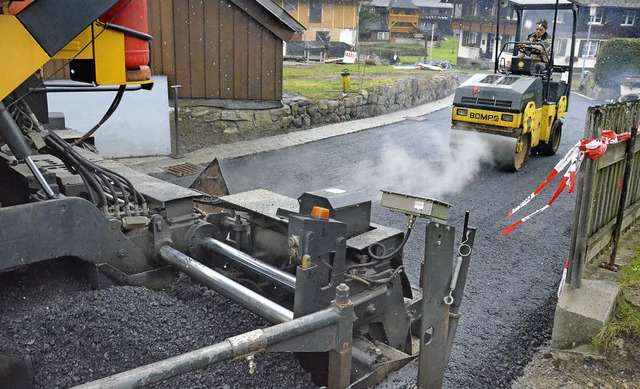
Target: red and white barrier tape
<point x="590" y="148"/>
<point x="554" y="172"/>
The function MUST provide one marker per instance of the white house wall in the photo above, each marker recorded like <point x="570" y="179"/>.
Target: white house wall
<point x="468" y="52"/>
<point x="348" y="36"/>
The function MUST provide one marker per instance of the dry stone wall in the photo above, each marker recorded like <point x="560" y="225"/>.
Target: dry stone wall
<point x="200" y="126"/>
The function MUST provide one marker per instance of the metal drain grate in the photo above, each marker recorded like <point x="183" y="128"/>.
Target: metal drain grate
<point x="181" y="170"/>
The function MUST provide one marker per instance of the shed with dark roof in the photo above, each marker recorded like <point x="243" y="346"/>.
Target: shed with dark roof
<point x="221" y="49"/>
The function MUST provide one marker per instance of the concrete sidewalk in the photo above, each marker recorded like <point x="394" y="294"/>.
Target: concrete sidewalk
<point x="239" y="149"/>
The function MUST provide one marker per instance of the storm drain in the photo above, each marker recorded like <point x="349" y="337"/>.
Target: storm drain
<point x="181" y="170"/>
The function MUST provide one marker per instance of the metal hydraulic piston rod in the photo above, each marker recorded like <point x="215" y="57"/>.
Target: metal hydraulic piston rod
<point x="245" y="297"/>
<point x="12" y="135"/>
<point x="248" y="263"/>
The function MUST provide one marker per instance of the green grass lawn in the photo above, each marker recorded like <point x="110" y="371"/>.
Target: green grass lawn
<point x="626" y="319"/>
<point x="318" y="81"/>
<point x="414" y="53"/>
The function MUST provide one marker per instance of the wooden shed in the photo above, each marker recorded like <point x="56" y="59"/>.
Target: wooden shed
<point x="216" y="49"/>
<point x="221" y="49"/>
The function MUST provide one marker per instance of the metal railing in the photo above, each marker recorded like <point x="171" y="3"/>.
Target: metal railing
<point x="607" y="191"/>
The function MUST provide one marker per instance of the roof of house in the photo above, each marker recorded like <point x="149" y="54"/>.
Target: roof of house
<point x="406" y="4"/>
<point x="543" y="4"/>
<point x="611" y="3"/>
<point x="584" y="3"/>
<point x="432" y="4"/>
<point x="282" y="15"/>
<point x="415" y="3"/>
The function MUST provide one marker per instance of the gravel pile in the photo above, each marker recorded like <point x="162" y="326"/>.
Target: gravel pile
<point x="71" y="334"/>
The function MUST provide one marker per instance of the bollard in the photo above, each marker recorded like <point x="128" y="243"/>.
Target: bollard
<point x="346" y="80"/>
<point x="175" y="152"/>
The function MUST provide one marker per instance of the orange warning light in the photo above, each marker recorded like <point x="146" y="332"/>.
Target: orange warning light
<point x="320" y="212"/>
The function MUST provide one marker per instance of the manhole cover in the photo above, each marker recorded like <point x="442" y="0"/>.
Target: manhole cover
<point x="181" y="170"/>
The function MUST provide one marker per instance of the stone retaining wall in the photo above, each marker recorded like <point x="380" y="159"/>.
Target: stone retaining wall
<point x="201" y="126"/>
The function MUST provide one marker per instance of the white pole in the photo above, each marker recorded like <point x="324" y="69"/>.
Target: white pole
<point x="592" y="16"/>
<point x="586" y="50"/>
<point x="433" y="27"/>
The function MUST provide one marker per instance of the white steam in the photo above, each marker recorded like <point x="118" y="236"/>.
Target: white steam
<point x="435" y="173"/>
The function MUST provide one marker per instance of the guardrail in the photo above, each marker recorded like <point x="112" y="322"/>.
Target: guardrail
<point x="607" y="191"/>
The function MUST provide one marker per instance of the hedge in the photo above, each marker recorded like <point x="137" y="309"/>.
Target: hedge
<point x="617" y="59"/>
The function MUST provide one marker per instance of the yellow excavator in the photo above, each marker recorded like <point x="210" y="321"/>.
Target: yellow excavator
<point x="519" y="108"/>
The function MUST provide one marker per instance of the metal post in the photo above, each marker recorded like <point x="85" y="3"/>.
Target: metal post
<point x="465" y="250"/>
<point x="426" y="49"/>
<point x="586" y="46"/>
<point x="497" y="48"/>
<point x="340" y="354"/>
<point x="357" y="45"/>
<point x="175" y="150"/>
<point x="453" y="16"/>
<point x="623" y="200"/>
<point x="346" y="81"/>
<point x="436" y="277"/>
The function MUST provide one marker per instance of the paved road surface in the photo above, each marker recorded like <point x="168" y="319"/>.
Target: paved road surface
<point x="510" y="295"/>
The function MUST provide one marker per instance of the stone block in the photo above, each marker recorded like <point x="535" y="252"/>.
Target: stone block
<point x="228" y="115"/>
<point x="312" y="110"/>
<point x="581" y="313"/>
<point x="264" y="119"/>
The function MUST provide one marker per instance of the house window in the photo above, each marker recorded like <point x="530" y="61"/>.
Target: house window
<point x="471" y="39"/>
<point x="383" y="36"/>
<point x="323" y="36"/>
<point x="589" y="48"/>
<point x="562" y="17"/>
<point x="595" y="15"/>
<point x="290" y="5"/>
<point x="561" y="47"/>
<point x="629" y="18"/>
<point x="315" y="11"/>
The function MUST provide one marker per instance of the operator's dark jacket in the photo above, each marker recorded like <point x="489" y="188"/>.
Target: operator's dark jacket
<point x="545" y="40"/>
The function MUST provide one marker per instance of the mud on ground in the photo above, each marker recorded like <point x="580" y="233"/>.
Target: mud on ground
<point x="552" y="369"/>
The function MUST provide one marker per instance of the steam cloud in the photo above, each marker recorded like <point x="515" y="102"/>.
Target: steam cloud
<point x="436" y="175"/>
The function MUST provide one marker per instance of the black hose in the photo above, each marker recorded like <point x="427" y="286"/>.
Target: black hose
<point x="385" y="280"/>
<point x="107" y="182"/>
<point x="107" y="115"/>
<point x="123" y="183"/>
<point x="93" y="186"/>
<point x="96" y="179"/>
<point x="385" y="256"/>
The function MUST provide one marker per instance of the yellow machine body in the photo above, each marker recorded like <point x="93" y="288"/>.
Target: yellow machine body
<point x="22" y="54"/>
<point x="104" y="46"/>
<point x="513" y="107"/>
